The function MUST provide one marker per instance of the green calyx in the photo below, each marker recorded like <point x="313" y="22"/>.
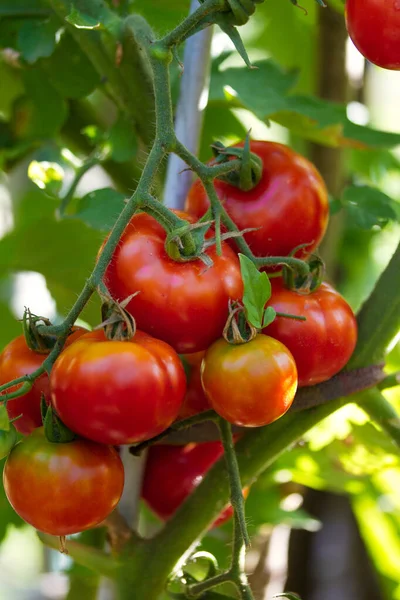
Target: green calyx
<point x="305" y="284"/>
<point x="251" y="167"/>
<point x="54" y="429"/>
<point x="187" y="243"/>
<point x="35" y="340"/>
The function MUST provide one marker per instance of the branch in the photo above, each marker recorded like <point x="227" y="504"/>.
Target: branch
<point x="89" y="557"/>
<point x="382" y="412"/>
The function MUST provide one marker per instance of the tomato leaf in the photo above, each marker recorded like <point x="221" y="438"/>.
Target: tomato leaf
<point x="257" y="291"/>
<point x="368" y="207"/>
<point x="269" y="316"/>
<point x="81" y="20"/>
<point x="4" y="420"/>
<point x="37" y="39"/>
<point x="288" y="595"/>
<point x="100" y="209"/>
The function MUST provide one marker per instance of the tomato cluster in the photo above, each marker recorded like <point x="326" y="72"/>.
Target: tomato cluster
<point x="111" y="390"/>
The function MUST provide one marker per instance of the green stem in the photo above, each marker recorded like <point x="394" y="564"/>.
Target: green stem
<point x="92" y="558"/>
<point x="183" y="30"/>
<point x="382" y="412"/>
<point x="237" y="500"/>
<point x="84" y="583"/>
<point x="379" y="318"/>
<point x="80" y="172"/>
<point x="27" y="382"/>
<point x="390" y="381"/>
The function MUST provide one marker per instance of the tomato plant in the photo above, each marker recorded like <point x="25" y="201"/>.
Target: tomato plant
<point x="173" y="472"/>
<point x="287" y="207"/>
<point x="249" y="384"/>
<point x="374" y="28"/>
<point x="184" y="304"/>
<point x="62" y="488"/>
<point x="7" y="440"/>
<point x="118" y="392"/>
<point x="16" y="360"/>
<point x="321" y="345"/>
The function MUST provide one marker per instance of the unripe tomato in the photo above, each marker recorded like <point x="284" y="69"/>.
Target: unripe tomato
<point x="249" y="384"/>
<point x="183" y="303"/>
<point x="288" y="207"/>
<point x="173" y="472"/>
<point x="16" y="360"/>
<point x="62" y="488"/>
<point x="322" y="344"/>
<point x="116" y="392"/>
<point x="374" y="27"/>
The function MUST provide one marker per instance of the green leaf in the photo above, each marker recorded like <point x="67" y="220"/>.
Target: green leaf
<point x="368" y="207"/>
<point x="257" y="291"/>
<point x="11" y="88"/>
<point x="81" y="20"/>
<point x="288" y="595"/>
<point x="122" y="140"/>
<point x="100" y="209"/>
<point x="37" y="39"/>
<point x="269" y="316"/>
<point x="4" y="420"/>
<point x="47" y="176"/>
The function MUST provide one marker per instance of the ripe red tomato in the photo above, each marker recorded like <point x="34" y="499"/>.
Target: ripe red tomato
<point x="374" y="27"/>
<point x="183" y="303"/>
<point x="62" y="488"/>
<point x="322" y="344"/>
<point x="195" y="400"/>
<point x="16" y="360"/>
<point x="118" y="392"/>
<point x="173" y="472"/>
<point x="289" y="206"/>
<point x="249" y="384"/>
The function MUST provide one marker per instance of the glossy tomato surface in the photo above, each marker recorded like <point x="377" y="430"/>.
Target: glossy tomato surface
<point x="250" y="384"/>
<point x="322" y="344"/>
<point x="289" y="205"/>
<point x="173" y="472"/>
<point x="182" y="303"/>
<point x="116" y="392"/>
<point x="374" y="27"/>
<point x="16" y="360"/>
<point x="62" y="488"/>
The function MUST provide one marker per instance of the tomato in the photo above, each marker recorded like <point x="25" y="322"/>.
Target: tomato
<point x="116" y="392"/>
<point x="173" y="472"/>
<point x="8" y="439"/>
<point x="374" y="27"/>
<point x="62" y="488"/>
<point x="16" y="360"/>
<point x="322" y="344"/>
<point x="289" y="206"/>
<point x="183" y="303"/>
<point x="249" y="384"/>
<point x="195" y="399"/>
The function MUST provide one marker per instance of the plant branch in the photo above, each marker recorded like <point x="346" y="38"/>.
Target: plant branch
<point x="382" y="412"/>
<point x="80" y="172"/>
<point x="183" y="30"/>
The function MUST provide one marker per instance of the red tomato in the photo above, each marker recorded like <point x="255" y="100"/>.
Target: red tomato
<point x="182" y="303"/>
<point x="173" y="472"/>
<point x="16" y="360"/>
<point x="374" y="27"/>
<point x="322" y="344"/>
<point x="118" y="392"/>
<point x="195" y="399"/>
<point x="249" y="384"/>
<point x="62" y="488"/>
<point x="289" y="205"/>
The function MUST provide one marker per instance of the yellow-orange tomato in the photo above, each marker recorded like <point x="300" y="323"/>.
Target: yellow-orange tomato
<point x="249" y="384"/>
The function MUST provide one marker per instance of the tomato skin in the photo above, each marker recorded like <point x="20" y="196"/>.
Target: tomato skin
<point x="118" y="392"/>
<point x="249" y="384"/>
<point x="185" y="304"/>
<point x="195" y="400"/>
<point x="321" y="345"/>
<point x="173" y="472"/>
<point x="62" y="489"/>
<point x="289" y="205"/>
<point x="374" y="27"/>
<point x="16" y="360"/>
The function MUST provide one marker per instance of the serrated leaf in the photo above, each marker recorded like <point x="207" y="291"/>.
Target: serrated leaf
<point x="100" y="209"/>
<point x="37" y="39"/>
<point x="4" y="420"/>
<point x="268" y="317"/>
<point x="369" y="207"/>
<point x="81" y="20"/>
<point x="257" y="291"/>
